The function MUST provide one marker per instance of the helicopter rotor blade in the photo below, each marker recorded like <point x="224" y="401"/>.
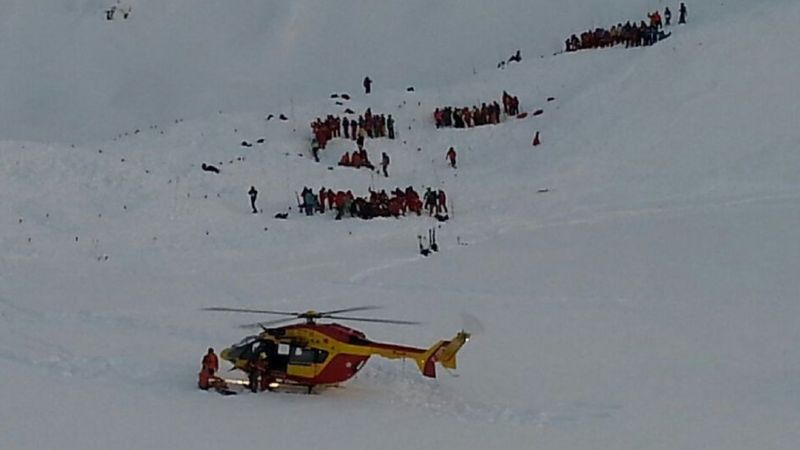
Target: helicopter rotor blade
<point x="366" y="319"/>
<point x="357" y="308"/>
<point x="263" y="325"/>
<point x="250" y="311"/>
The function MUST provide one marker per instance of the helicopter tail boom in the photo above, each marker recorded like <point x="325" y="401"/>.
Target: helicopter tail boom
<point x="443" y="352"/>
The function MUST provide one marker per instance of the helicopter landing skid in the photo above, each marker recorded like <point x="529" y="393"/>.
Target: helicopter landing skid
<point x="276" y="387"/>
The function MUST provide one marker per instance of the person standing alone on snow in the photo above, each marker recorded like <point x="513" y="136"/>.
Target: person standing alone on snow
<point x="367" y="85"/>
<point x="667" y="16"/>
<point x="210" y="361"/>
<point x="451" y="156"/>
<point x="253" y="195"/>
<point x="385" y="164"/>
<point x="682" y="11"/>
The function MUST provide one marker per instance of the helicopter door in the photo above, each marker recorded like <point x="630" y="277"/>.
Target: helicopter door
<point x="281" y="359"/>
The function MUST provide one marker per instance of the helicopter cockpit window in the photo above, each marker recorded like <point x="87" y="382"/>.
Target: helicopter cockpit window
<point x="247" y="341"/>
<point x="283" y="349"/>
<point x="322" y="355"/>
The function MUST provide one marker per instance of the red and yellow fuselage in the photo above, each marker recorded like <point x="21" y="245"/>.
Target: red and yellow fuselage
<point x="314" y="354"/>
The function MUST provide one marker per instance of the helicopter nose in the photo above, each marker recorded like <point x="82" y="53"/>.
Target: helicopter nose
<point x="226" y="354"/>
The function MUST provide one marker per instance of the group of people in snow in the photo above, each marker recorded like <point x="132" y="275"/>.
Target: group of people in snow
<point x="367" y="125"/>
<point x="357" y="160"/>
<point x="118" y="9"/>
<point x="377" y="204"/>
<point x="629" y="34"/>
<point x="380" y="204"/>
<point x="516" y="57"/>
<point x="510" y="104"/>
<point x="448" y="116"/>
<point x="257" y="370"/>
<point x="207" y="378"/>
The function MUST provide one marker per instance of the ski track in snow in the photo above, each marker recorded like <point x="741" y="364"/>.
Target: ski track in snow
<point x="392" y="264"/>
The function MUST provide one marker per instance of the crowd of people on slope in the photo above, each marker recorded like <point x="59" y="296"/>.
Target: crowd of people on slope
<point x="629" y="34"/>
<point x="367" y="125"/>
<point x="377" y="204"/>
<point x="466" y="117"/>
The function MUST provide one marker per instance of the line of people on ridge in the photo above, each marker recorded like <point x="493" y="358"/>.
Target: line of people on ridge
<point x="378" y="204"/>
<point x="630" y="34"/>
<point x="448" y="116"/>
<point x="367" y="125"/>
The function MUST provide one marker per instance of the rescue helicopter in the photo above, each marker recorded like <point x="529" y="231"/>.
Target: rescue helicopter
<point x="312" y="354"/>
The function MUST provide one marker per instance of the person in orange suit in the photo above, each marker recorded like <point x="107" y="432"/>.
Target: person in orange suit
<point x="210" y="361"/>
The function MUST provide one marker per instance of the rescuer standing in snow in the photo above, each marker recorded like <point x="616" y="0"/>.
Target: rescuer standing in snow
<point x="207" y="377"/>
<point x="451" y="156"/>
<point x="385" y="164"/>
<point x="253" y="195"/>
<point x="210" y="361"/>
<point x="257" y="370"/>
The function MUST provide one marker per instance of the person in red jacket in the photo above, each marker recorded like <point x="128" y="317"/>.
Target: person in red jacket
<point x="204" y="378"/>
<point x="207" y="380"/>
<point x="451" y="156"/>
<point x="319" y="133"/>
<point x="210" y="361"/>
<point x="395" y="207"/>
<point x="355" y="160"/>
<point x="412" y="201"/>
<point x="331" y="199"/>
<point x="438" y="118"/>
<point x="467" y="115"/>
<point x="442" y="202"/>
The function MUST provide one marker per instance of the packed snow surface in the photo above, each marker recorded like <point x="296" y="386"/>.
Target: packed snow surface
<point x="645" y="299"/>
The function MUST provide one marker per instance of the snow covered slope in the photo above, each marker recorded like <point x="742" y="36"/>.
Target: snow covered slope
<point x="647" y="300"/>
<point x="65" y="64"/>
